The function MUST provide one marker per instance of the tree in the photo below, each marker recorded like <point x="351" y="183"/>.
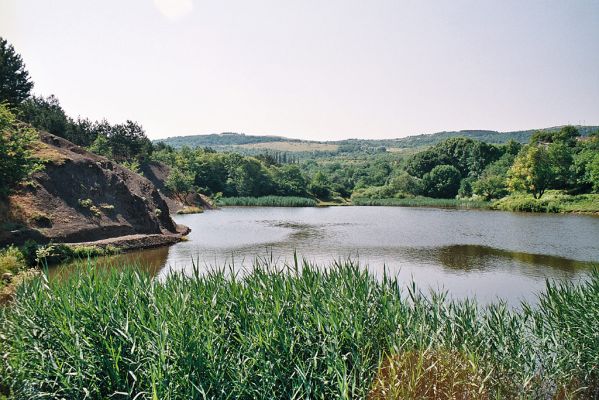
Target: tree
<point x="566" y="135"/>
<point x="319" y="186"/>
<point x="46" y="113"/>
<point x="405" y="183"/>
<point x="531" y="172"/>
<point x="490" y="187"/>
<point x="250" y="178"/>
<point x="561" y="157"/>
<point x="16" y="159"/>
<point x="443" y="182"/>
<point x="469" y="156"/>
<point x="289" y="181"/>
<point x="129" y="141"/>
<point x="586" y="165"/>
<point x="101" y="147"/>
<point x="180" y="184"/>
<point x="15" y="84"/>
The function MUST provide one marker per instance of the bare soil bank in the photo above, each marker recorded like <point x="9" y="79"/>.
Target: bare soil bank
<point x="81" y="197"/>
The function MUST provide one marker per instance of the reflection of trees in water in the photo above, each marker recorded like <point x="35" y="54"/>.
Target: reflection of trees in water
<point x="149" y="260"/>
<point x="469" y="257"/>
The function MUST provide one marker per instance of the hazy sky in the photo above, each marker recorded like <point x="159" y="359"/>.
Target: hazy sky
<point x="314" y="69"/>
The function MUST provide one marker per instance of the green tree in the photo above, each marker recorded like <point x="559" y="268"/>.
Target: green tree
<point x="469" y="156"/>
<point x="490" y="186"/>
<point x="532" y="171"/>
<point x="586" y="165"/>
<point x="15" y="84"/>
<point x="180" y="184"/>
<point x="46" y="113"/>
<point x="289" y="181"/>
<point x="16" y="159"/>
<point x="561" y="158"/>
<point x="443" y="181"/>
<point x="319" y="186"/>
<point x="405" y="183"/>
<point x="101" y="147"/>
<point x="566" y="135"/>
<point x="250" y="178"/>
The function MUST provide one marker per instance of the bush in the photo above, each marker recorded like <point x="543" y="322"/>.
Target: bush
<point x="12" y="260"/>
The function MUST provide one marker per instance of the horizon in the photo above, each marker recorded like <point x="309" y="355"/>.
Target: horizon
<point x="313" y="71"/>
<point x="371" y="138"/>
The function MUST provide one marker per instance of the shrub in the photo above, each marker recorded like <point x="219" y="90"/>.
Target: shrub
<point x="17" y="161"/>
<point x="12" y="260"/>
<point x="86" y="203"/>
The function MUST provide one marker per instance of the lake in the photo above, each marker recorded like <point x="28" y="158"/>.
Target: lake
<point x="469" y="253"/>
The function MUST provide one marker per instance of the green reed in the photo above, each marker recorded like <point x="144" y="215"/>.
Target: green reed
<point x="267" y="201"/>
<point x="302" y="331"/>
<point x="421" y="202"/>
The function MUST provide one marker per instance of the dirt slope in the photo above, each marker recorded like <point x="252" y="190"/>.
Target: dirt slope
<point x="81" y="197"/>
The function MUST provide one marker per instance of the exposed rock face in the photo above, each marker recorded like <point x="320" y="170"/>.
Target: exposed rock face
<point x="81" y="197"/>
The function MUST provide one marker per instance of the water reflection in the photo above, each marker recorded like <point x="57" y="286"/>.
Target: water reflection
<point x="150" y="261"/>
<point x="470" y="257"/>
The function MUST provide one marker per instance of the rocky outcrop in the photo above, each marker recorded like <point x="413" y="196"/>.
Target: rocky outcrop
<point x="82" y="197"/>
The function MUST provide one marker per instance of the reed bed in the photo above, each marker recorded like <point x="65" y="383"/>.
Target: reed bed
<point x="421" y="202"/>
<point x="302" y="331"/>
<point x="267" y="201"/>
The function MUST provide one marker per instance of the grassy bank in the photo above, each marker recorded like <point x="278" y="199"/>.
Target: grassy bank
<point x="421" y="202"/>
<point x="267" y="201"/>
<point x="299" y="333"/>
<point x="551" y="202"/>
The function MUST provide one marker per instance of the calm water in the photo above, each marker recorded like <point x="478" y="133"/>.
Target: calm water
<point x="468" y="253"/>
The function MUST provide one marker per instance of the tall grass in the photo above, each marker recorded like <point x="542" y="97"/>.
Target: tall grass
<point x="267" y="201"/>
<point x="290" y="333"/>
<point x="421" y="202"/>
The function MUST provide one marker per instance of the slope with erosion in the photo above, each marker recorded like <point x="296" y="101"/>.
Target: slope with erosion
<point x="81" y="197"/>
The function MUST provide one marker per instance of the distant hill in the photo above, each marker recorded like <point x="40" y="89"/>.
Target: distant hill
<point x="253" y="143"/>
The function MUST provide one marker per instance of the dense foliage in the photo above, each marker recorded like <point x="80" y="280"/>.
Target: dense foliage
<point x="16" y="159"/>
<point x="306" y="332"/>
<point x="15" y="84"/>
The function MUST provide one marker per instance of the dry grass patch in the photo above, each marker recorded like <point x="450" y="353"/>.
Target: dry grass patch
<point x="47" y="154"/>
<point x="428" y="374"/>
<point x="292" y="146"/>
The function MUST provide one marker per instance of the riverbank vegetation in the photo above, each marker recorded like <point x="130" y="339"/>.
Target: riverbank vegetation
<point x="296" y="332"/>
<point x="422" y="202"/>
<point x="267" y="201"/>
<point x="552" y="202"/>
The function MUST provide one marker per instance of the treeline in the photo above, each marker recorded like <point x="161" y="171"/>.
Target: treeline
<point x="125" y="143"/>
<point x="230" y="174"/>
<point x="462" y="167"/>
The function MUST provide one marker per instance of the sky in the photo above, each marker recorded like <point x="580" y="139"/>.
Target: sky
<point x="313" y="69"/>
